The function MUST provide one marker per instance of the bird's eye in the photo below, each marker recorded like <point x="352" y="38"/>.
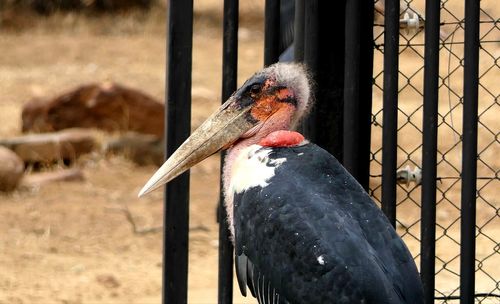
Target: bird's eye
<point x="255" y="89"/>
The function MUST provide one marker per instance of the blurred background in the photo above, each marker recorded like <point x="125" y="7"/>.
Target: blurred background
<point x="73" y="230"/>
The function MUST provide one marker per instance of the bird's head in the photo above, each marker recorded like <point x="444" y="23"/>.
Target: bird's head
<point x="273" y="99"/>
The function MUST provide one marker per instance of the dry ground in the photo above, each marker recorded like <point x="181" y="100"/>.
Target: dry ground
<point x="69" y="242"/>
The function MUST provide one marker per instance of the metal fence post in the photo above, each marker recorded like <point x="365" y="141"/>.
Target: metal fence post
<point x="390" y="104"/>
<point x="272" y="32"/>
<point x="429" y="149"/>
<point x="229" y="77"/>
<point x="310" y="48"/>
<point x="358" y="88"/>
<point x="298" y="41"/>
<point x="325" y="19"/>
<point x="469" y="153"/>
<point x="178" y="126"/>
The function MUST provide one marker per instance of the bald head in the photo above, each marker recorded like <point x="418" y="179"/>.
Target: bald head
<point x="296" y="78"/>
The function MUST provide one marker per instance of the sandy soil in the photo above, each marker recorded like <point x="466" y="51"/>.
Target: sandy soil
<point x="70" y="242"/>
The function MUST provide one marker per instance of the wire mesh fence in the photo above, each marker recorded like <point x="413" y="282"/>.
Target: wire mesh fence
<point x="450" y="110"/>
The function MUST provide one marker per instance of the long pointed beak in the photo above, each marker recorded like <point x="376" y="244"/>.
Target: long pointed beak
<point x="221" y="129"/>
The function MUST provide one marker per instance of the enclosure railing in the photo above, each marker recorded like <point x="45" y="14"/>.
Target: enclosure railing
<point x="229" y="80"/>
<point x="177" y="129"/>
<point x="429" y="149"/>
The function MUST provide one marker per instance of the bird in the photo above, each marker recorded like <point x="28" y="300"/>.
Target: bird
<point x="304" y="230"/>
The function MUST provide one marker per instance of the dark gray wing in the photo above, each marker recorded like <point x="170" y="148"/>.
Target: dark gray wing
<point x="314" y="236"/>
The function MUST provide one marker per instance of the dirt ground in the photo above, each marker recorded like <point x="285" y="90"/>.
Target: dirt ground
<point x="70" y="242"/>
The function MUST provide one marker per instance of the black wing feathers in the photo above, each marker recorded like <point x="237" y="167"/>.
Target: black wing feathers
<point x="313" y="235"/>
<point x="260" y="287"/>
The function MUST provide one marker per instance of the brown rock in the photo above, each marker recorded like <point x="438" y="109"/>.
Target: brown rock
<point x="51" y="147"/>
<point x="11" y="169"/>
<point x="106" y="106"/>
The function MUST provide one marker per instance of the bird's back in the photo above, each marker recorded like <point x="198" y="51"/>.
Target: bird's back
<point x="311" y="234"/>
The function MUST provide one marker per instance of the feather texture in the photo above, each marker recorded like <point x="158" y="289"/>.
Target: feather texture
<point x="313" y="235"/>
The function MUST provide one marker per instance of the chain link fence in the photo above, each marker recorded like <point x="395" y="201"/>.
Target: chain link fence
<point x="410" y="112"/>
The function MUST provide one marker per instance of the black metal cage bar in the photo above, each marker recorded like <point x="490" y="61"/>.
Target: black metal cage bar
<point x="390" y="103"/>
<point x="429" y="149"/>
<point x="178" y="127"/>
<point x="229" y="78"/>
<point x="299" y="31"/>
<point x="324" y="126"/>
<point x="469" y="153"/>
<point x="357" y="89"/>
<point x="310" y="56"/>
<point x="272" y="32"/>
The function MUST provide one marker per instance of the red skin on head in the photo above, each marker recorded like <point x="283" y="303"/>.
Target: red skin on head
<point x="282" y="138"/>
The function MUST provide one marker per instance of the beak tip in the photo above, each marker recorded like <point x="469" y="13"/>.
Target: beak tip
<point x="142" y="193"/>
<point x="155" y="182"/>
<point x="145" y="190"/>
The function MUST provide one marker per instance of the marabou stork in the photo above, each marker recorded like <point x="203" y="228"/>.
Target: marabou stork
<point x="304" y="230"/>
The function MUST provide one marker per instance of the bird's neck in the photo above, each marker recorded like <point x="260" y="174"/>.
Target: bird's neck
<point x="270" y="126"/>
<point x="274" y="124"/>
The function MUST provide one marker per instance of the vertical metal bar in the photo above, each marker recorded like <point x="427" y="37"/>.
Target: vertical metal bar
<point x="352" y="86"/>
<point x="287" y="28"/>
<point x="429" y="149"/>
<point x="178" y="115"/>
<point x="390" y="104"/>
<point x="298" y="39"/>
<point x="272" y="32"/>
<point x="357" y="88"/>
<point x="311" y="39"/>
<point x="469" y="152"/>
<point x="229" y="77"/>
<point x="311" y="31"/>
<point x="326" y="19"/>
<point x="366" y="86"/>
